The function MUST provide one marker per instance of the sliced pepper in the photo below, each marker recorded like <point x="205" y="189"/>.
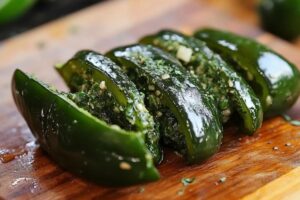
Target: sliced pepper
<point x="275" y="80"/>
<point x="89" y="67"/>
<point x="214" y="74"/>
<point x="173" y="96"/>
<point x="77" y="140"/>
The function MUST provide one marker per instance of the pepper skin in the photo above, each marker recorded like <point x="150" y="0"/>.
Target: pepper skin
<point x="12" y="9"/>
<point x="88" y="65"/>
<point x="217" y="75"/>
<point x="178" y="95"/>
<point x="78" y="141"/>
<point x="275" y="80"/>
<point x="281" y="17"/>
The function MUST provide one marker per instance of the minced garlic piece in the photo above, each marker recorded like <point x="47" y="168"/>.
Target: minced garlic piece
<point x="157" y="92"/>
<point x="102" y="85"/>
<point x="158" y="114"/>
<point x="269" y="100"/>
<point x="140" y="107"/>
<point x="165" y="76"/>
<point x="114" y="126"/>
<point x="125" y="165"/>
<point x="184" y="54"/>
<point x="230" y="83"/>
<point x="151" y="87"/>
<point x="226" y="112"/>
<point x="116" y="109"/>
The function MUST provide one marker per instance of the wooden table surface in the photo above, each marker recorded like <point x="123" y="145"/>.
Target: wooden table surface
<point x="249" y="167"/>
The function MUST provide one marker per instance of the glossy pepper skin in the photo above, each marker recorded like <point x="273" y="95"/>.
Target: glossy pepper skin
<point x="78" y="141"/>
<point x="275" y="80"/>
<point x="88" y="65"/>
<point x="281" y="17"/>
<point x="12" y="9"/>
<point x="206" y="65"/>
<point x="196" y="115"/>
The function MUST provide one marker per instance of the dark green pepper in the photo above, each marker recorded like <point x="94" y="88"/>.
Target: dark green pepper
<point x="89" y="67"/>
<point x="78" y="141"/>
<point x="281" y="17"/>
<point x="194" y="127"/>
<point x="214" y="74"/>
<point x="275" y="80"/>
<point x="12" y="9"/>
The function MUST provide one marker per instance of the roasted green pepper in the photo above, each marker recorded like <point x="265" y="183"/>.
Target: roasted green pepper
<point x="188" y="118"/>
<point x="275" y="80"/>
<point x="88" y="68"/>
<point x="12" y="9"/>
<point x="281" y="17"/>
<point x="77" y="140"/>
<point x="230" y="90"/>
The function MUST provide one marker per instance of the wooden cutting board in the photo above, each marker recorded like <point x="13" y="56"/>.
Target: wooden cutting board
<point x="265" y="165"/>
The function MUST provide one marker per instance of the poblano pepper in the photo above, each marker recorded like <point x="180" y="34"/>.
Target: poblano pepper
<point x="77" y="140"/>
<point x="281" y="17"/>
<point x="275" y="80"/>
<point x="227" y="87"/>
<point x="89" y="69"/>
<point x="188" y="118"/>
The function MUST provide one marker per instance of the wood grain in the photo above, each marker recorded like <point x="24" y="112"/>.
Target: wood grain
<point x="284" y="188"/>
<point x="247" y="163"/>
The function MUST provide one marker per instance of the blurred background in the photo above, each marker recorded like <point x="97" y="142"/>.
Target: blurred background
<point x="17" y="16"/>
<point x="280" y="17"/>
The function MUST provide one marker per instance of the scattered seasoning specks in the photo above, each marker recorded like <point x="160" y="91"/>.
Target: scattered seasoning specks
<point x="275" y="148"/>
<point x="290" y="120"/>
